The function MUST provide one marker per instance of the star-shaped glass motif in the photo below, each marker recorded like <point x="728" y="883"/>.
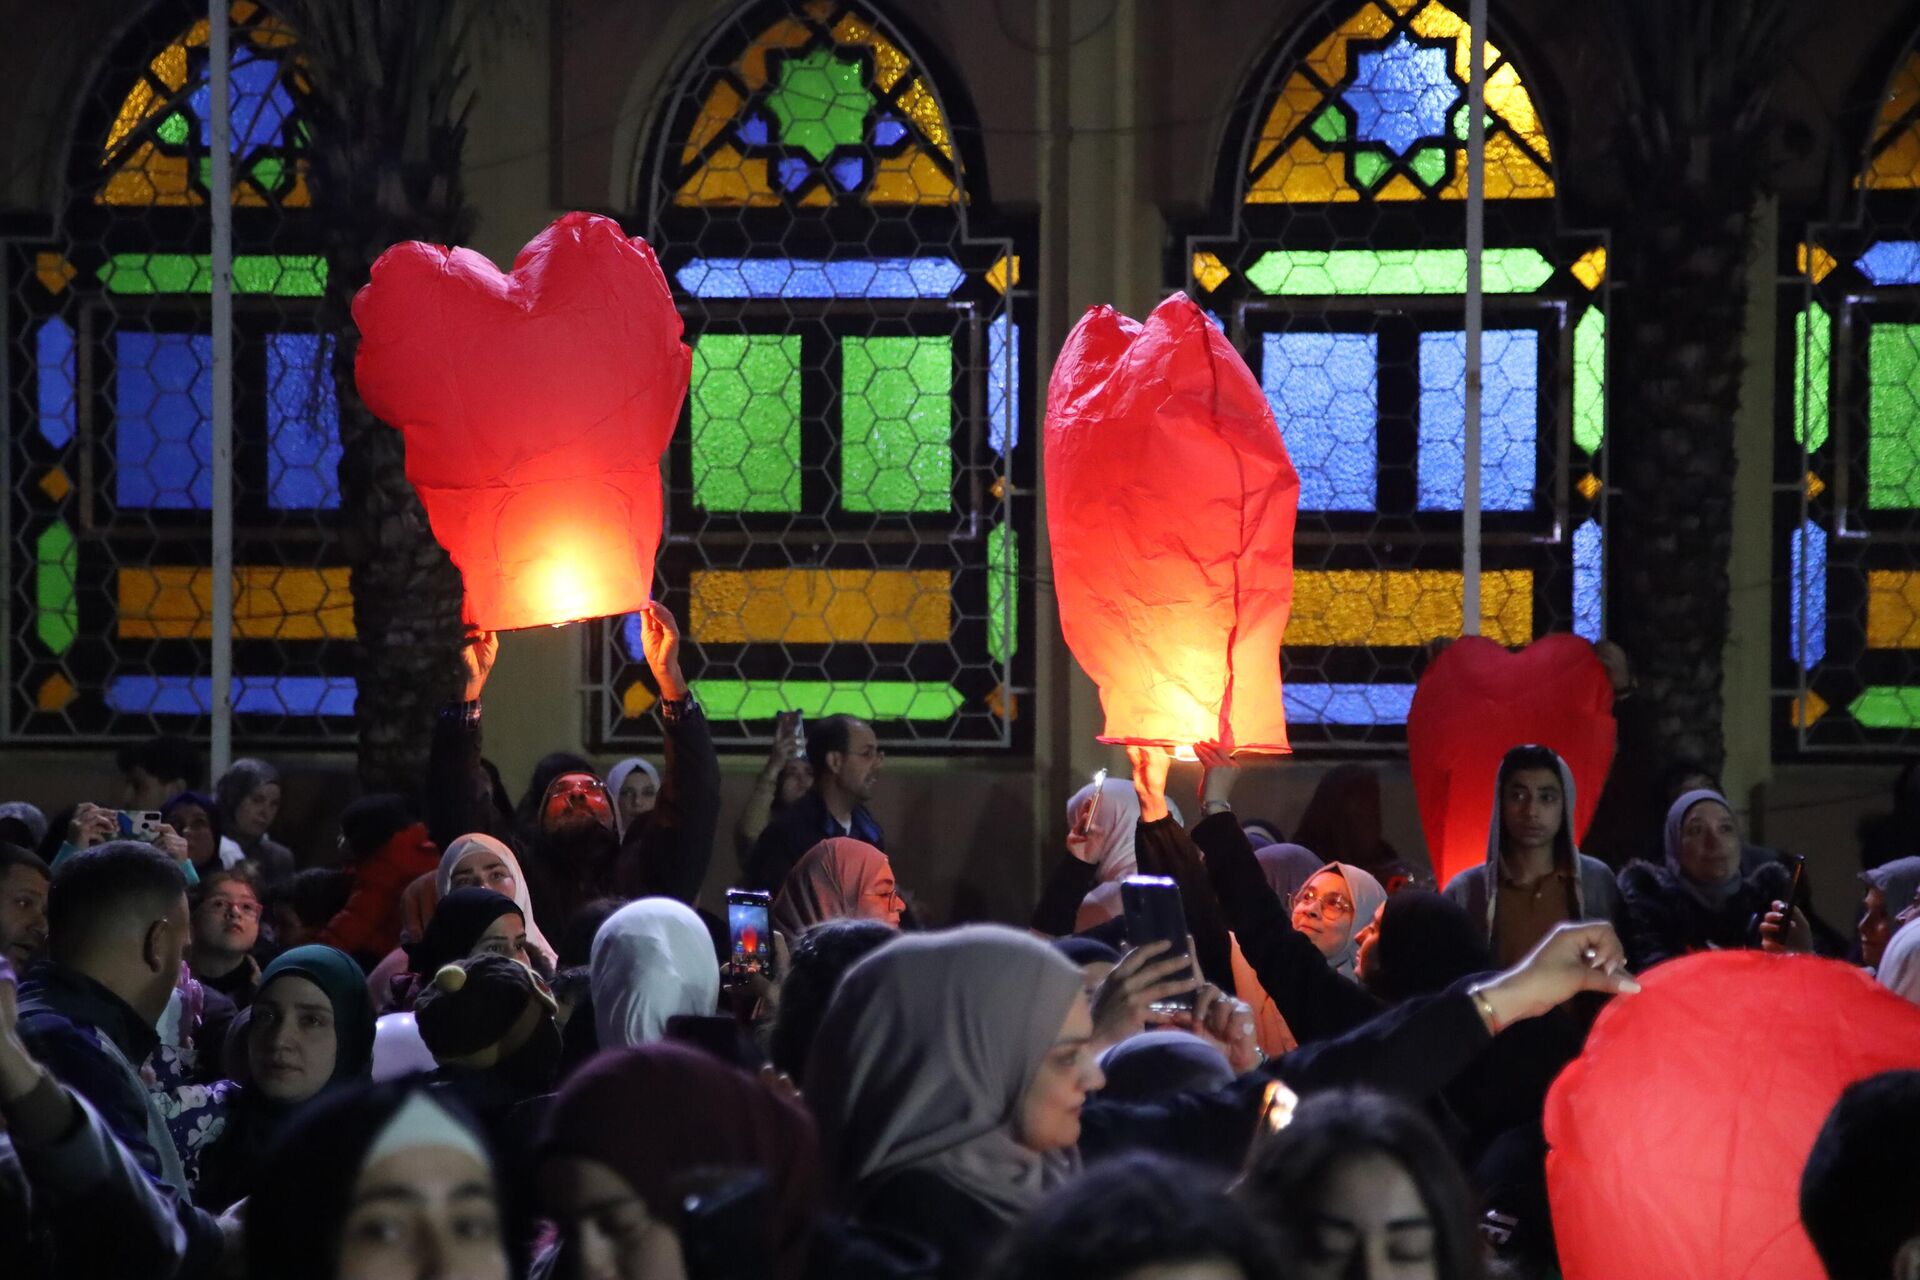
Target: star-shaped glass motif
<point x="821" y="102"/>
<point x="1401" y="93"/>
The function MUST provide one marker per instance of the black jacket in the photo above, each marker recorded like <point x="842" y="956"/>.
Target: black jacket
<point x="1661" y="920"/>
<point x="796" y="829"/>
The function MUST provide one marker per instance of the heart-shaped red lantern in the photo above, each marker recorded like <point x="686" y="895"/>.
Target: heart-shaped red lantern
<point x="536" y="405"/>
<point x="1170" y="506"/>
<point x="1476" y="702"/>
<point x="1679" y="1134"/>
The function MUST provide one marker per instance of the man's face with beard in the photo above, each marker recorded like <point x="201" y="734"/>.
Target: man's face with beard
<point x="575" y="803"/>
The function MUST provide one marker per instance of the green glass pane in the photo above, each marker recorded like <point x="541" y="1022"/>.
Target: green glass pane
<point x="1368" y="168"/>
<point x="1314" y="272"/>
<point x="1893" y="416"/>
<point x="1429" y="164"/>
<point x="1887" y="707"/>
<point x="1330" y="125"/>
<point x="746" y="422"/>
<point x="268" y="171"/>
<point x="1003" y="576"/>
<point x="1590" y="380"/>
<point x="287" y="275"/>
<point x="896" y="421"/>
<point x="870" y="700"/>
<point x="174" y="129"/>
<point x="821" y="102"/>
<point x="1812" y="362"/>
<point x="56" y="566"/>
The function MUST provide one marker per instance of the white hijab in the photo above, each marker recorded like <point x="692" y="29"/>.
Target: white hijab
<point x="652" y="960"/>
<point x="1899" y="970"/>
<point x="474" y="842"/>
<point x="617" y="778"/>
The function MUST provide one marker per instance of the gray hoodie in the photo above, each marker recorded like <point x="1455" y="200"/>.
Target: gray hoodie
<point x="1595" y="894"/>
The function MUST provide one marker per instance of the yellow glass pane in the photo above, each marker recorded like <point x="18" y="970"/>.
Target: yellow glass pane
<point x="1893" y="609"/>
<point x="924" y="110"/>
<point x="723" y="101"/>
<point x="1329" y="57"/>
<point x="175" y="602"/>
<point x="787" y="33"/>
<point x="1405" y="607"/>
<point x="821" y="606"/>
<point x="55" y="693"/>
<point x="1591" y="267"/>
<point x="1305" y="175"/>
<point x="913" y="177"/>
<point x="1004" y="274"/>
<point x="889" y="64"/>
<point x="1209" y="271"/>
<point x="149" y="178"/>
<point x="1293" y="104"/>
<point x="728" y="178"/>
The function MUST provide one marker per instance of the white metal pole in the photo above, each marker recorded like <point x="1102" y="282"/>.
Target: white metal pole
<point x="221" y="198"/>
<point x="1476" y="247"/>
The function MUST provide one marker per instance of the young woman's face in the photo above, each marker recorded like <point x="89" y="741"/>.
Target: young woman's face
<point x="256" y="813"/>
<point x="1875" y="927"/>
<point x="609" y="1232"/>
<point x="484" y="869"/>
<point x="1365" y="941"/>
<point x="423" y="1211"/>
<point x="637" y="796"/>
<point x="291" y="1044"/>
<point x="506" y="936"/>
<point x="1323" y="911"/>
<point x="193" y="824"/>
<point x="1709" y="850"/>
<point x="1050" y="1113"/>
<point x="882" y="900"/>
<point x="227" y="921"/>
<point x="1368" y="1221"/>
<point x="795" y="780"/>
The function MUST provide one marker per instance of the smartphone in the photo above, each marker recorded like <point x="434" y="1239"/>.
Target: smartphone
<point x="139" y="824"/>
<point x="1155" y="914"/>
<point x="750" y="932"/>
<point x="723" y="1231"/>
<point x="1093" y="805"/>
<point x="1277" y="1107"/>
<point x="1799" y="864"/>
<point x="800" y="735"/>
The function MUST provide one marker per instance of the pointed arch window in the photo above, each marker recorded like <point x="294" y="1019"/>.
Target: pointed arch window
<point x="1335" y="258"/>
<point x="109" y="401"/>
<point x="848" y="498"/>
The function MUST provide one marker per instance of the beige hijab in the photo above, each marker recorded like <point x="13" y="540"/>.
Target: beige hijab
<point x="478" y="842"/>
<point x="925" y="1054"/>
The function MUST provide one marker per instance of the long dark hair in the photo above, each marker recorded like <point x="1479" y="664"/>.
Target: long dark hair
<point x="1286" y="1170"/>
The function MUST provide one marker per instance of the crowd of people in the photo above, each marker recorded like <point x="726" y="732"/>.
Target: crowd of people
<point x="504" y="1039"/>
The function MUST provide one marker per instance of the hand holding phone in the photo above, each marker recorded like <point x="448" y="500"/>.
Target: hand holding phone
<point x="1093" y="803"/>
<point x="1155" y="914"/>
<point x="139" y="824"/>
<point x="750" y="933"/>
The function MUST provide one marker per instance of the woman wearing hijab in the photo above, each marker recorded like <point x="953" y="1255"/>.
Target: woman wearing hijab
<point x="248" y="800"/>
<point x="1084" y="889"/>
<point x="386" y="1181"/>
<point x="629" y="1129"/>
<point x="652" y="960"/>
<point x="948" y="1078"/>
<point x="634" y="785"/>
<point x="470" y="921"/>
<point x="1287" y="868"/>
<point x="478" y="860"/>
<point x="839" y="878"/>
<point x="1699" y="899"/>
<point x="309" y="1030"/>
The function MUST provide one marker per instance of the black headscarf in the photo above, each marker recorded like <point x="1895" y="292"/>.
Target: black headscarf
<point x="1427" y="943"/>
<point x="458" y="921"/>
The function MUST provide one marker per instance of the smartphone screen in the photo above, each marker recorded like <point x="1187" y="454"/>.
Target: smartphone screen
<point x="1093" y="802"/>
<point x="1155" y="914"/>
<point x="750" y="932"/>
<point x="139" y="824"/>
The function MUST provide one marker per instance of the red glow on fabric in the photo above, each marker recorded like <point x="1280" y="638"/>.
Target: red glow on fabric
<point x="1170" y="507"/>
<point x="1478" y="701"/>
<point x="1679" y="1135"/>
<point x="535" y="405"/>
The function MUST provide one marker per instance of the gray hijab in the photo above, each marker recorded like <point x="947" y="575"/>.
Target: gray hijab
<point x="925" y="1054"/>
<point x="1710" y="896"/>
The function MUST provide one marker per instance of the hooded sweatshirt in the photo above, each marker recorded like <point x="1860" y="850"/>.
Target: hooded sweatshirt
<point x="1592" y="893"/>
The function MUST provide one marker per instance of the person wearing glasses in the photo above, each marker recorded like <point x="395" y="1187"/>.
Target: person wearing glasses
<point x="226" y="928"/>
<point x="846" y="759"/>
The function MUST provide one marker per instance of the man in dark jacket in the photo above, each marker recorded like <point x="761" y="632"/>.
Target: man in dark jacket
<point x="846" y="758"/>
<point x="119" y="929"/>
<point x="577" y="855"/>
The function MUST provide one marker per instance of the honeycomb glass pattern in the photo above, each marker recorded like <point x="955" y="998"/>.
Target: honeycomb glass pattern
<point x="848" y="501"/>
<point x="1338" y="267"/>
<point x="109" y="413"/>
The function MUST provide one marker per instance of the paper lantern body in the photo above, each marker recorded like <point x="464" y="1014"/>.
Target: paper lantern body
<point x="535" y="406"/>
<point x="1170" y="508"/>
<point x="1679" y="1134"/>
<point x="1478" y="701"/>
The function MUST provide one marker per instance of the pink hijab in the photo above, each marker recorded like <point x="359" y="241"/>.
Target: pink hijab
<point x="827" y="884"/>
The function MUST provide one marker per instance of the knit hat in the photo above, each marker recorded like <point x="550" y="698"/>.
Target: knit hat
<point x="480" y="1011"/>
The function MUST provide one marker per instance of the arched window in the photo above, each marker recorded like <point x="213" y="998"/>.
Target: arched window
<point x="847" y="497"/>
<point x="109" y="403"/>
<point x="1847" y="463"/>
<point x="1336" y="261"/>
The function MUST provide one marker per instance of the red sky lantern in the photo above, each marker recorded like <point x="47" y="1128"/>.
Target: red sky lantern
<point x="1170" y="505"/>
<point x="1477" y="701"/>
<point x="536" y="405"/>
<point x="1679" y="1135"/>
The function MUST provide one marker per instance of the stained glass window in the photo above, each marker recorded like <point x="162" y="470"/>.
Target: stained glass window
<point x="846" y="504"/>
<point x="109" y="413"/>
<point x="1847" y="465"/>
<point x="1339" y="269"/>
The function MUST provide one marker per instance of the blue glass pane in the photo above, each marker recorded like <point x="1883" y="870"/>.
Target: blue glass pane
<point x="252" y="695"/>
<point x="303" y="423"/>
<point x="53" y="350"/>
<point x="1215" y="317"/>
<point x="1892" y="262"/>
<point x="163" y="413"/>
<point x="887" y="130"/>
<point x="793" y="172"/>
<point x="1325" y="393"/>
<point x="753" y="130"/>
<point x="1807" y="592"/>
<point x="1003" y="384"/>
<point x="849" y="172"/>
<point x="1347" y="703"/>
<point x="1587" y="565"/>
<point x="811" y="278"/>
<point x="260" y="105"/>
<point x="1402" y="93"/>
<point x="632" y="634"/>
<point x="1509" y="410"/>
